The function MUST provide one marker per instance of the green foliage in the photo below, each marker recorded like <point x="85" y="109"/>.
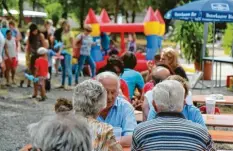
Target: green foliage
<point x="12" y="4"/>
<point x="190" y="37"/>
<point x="164" y="5"/>
<point x="228" y="39"/>
<point x="54" y="9"/>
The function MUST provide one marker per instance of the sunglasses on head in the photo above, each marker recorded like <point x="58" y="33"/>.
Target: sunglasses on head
<point x="88" y="30"/>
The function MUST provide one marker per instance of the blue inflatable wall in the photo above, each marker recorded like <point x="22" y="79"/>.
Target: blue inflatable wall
<point x="154" y="43"/>
<point x="95" y="50"/>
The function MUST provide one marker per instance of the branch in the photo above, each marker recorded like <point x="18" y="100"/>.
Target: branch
<point x="3" y="2"/>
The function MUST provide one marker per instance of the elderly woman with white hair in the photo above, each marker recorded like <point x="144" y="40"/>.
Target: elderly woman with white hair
<point x="61" y="132"/>
<point x="89" y="99"/>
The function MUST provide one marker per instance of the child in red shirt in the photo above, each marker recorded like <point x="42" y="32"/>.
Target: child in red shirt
<point x="41" y="66"/>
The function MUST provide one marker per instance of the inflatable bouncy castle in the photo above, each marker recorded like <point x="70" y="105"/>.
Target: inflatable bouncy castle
<point x="153" y="27"/>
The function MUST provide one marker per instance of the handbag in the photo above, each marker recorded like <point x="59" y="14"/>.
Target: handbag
<point x="76" y="51"/>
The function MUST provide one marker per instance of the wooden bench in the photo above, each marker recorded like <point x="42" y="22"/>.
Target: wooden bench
<point x="221" y="136"/>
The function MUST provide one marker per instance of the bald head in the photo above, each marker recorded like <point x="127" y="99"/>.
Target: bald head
<point x="160" y="72"/>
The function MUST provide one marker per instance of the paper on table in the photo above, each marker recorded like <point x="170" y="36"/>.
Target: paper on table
<point x="220" y="100"/>
<point x="137" y="112"/>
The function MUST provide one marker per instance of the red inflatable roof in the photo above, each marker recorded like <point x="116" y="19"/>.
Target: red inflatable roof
<point x="159" y="16"/>
<point x="91" y="18"/>
<point x="150" y="15"/>
<point x="104" y="18"/>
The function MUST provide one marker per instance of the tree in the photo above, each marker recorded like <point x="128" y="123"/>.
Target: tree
<point x="21" y="17"/>
<point x="112" y="6"/>
<point x="5" y="6"/>
<point x="133" y="6"/>
<point x="84" y="6"/>
<point x="37" y="3"/>
<point x="228" y="39"/>
<point x="54" y="11"/>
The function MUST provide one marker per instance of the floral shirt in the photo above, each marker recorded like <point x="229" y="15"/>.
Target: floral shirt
<point x="102" y="136"/>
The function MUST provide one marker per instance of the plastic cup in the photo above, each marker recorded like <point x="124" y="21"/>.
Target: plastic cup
<point x="117" y="132"/>
<point x="210" y="105"/>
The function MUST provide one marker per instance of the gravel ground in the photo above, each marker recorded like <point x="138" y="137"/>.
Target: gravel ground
<point x="17" y="111"/>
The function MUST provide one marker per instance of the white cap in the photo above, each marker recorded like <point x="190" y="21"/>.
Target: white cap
<point x="42" y="51"/>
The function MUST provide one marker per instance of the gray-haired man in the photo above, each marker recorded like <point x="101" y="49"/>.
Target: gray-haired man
<point x="170" y="130"/>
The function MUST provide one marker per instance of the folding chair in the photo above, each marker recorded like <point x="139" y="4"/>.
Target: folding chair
<point x="195" y="79"/>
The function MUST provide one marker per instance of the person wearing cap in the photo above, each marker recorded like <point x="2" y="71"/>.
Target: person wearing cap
<point x="41" y="65"/>
<point x="85" y="52"/>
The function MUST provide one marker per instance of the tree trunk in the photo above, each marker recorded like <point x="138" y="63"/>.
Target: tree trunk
<point x="133" y="16"/>
<point x="21" y="17"/>
<point x="116" y="10"/>
<point x="34" y="5"/>
<point x="4" y="5"/>
<point x="65" y="8"/>
<point x="82" y="13"/>
<point x="126" y="16"/>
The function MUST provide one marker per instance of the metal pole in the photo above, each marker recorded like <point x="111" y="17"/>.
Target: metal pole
<point x="205" y="35"/>
<point x="213" y="58"/>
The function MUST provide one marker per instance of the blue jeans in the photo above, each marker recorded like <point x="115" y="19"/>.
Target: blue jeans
<point x="81" y="62"/>
<point x="66" y="69"/>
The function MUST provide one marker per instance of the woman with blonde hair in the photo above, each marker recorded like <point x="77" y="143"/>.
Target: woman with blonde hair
<point x="86" y="41"/>
<point x="170" y="57"/>
<point x="67" y="52"/>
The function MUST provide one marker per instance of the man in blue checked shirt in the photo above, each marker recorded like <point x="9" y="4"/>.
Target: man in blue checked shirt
<point x="118" y="113"/>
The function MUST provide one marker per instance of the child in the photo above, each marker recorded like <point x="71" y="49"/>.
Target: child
<point x="50" y="54"/>
<point x="63" y="105"/>
<point x="132" y="42"/>
<point x="41" y="66"/>
<point x="10" y="57"/>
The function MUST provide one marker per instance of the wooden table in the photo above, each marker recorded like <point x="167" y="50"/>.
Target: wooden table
<point x="126" y="149"/>
<point x="228" y="100"/>
<point x="222" y="120"/>
<point x="221" y="136"/>
<point x="219" y="120"/>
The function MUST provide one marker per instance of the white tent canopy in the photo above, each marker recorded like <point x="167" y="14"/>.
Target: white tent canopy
<point x="26" y="13"/>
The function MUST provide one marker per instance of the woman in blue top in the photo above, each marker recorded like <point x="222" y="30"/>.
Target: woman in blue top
<point x="133" y="78"/>
<point x="190" y="112"/>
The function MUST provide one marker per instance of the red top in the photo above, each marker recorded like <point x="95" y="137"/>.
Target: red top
<point x="41" y="65"/>
<point x="124" y="89"/>
<point x="148" y="86"/>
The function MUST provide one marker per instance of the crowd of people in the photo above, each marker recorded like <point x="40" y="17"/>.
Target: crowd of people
<point x="97" y="108"/>
<point x="107" y="101"/>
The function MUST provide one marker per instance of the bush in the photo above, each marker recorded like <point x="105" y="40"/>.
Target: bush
<point x="228" y="39"/>
<point x="190" y="37"/>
